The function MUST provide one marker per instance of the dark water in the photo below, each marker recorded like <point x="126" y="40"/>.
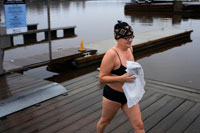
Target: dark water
<point x="95" y="19"/>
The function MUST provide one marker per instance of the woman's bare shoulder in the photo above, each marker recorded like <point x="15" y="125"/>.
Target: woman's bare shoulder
<point x="109" y="56"/>
<point x="111" y="52"/>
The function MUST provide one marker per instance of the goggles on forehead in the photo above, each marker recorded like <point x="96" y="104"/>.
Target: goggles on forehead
<point x="123" y="32"/>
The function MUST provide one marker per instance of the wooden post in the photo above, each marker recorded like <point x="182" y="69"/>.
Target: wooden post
<point x="177" y="5"/>
<point x="1" y="61"/>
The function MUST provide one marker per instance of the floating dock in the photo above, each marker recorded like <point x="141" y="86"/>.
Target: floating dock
<point x="63" y="55"/>
<point x="165" y="108"/>
<point x="175" y="7"/>
<point x="141" y="42"/>
<point x="94" y="52"/>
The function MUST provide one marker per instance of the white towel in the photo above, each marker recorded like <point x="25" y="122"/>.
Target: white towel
<point x="134" y="91"/>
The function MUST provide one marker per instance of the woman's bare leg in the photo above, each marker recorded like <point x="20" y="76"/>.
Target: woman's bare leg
<point x="135" y="117"/>
<point x="109" y="110"/>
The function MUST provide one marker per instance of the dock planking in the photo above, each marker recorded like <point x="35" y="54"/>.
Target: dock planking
<point x="96" y="50"/>
<point x="20" y="91"/>
<point x="80" y="110"/>
<point x="141" y="42"/>
<point x="26" y="63"/>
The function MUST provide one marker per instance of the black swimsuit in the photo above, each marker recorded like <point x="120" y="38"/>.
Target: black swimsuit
<point x="121" y="70"/>
<point x="112" y="94"/>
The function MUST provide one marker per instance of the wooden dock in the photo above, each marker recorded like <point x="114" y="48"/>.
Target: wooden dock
<point x="175" y="7"/>
<point x="142" y="41"/>
<point x="21" y="91"/>
<point x="166" y="108"/>
<point x="26" y="63"/>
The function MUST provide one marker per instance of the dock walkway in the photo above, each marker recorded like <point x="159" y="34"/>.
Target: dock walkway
<point x="26" y="63"/>
<point x="165" y="108"/>
<point x="97" y="50"/>
<point x="19" y="91"/>
<point x="141" y="41"/>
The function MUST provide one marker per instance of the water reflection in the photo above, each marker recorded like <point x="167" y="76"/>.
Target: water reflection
<point x="148" y="18"/>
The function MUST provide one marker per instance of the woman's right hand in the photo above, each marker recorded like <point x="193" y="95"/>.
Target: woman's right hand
<point x="128" y="77"/>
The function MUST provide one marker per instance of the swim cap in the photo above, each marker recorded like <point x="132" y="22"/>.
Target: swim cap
<point x="122" y="29"/>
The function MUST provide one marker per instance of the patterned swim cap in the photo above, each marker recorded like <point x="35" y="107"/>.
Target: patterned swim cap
<point x="122" y="29"/>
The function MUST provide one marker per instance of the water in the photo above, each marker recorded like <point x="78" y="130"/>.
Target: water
<point x="95" y="20"/>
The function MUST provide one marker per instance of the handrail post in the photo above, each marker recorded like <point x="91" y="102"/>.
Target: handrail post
<point x="49" y="30"/>
<point x="1" y="61"/>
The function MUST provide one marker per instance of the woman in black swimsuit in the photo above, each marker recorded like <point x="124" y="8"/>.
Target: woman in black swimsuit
<point x="112" y="72"/>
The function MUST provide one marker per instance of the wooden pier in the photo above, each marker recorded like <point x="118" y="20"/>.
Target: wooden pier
<point x="39" y="60"/>
<point x="166" y="108"/>
<point x="95" y="51"/>
<point x="142" y="41"/>
<point x="21" y="91"/>
<point x="175" y="7"/>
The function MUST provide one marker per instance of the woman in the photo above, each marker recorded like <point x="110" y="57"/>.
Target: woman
<point x="112" y="72"/>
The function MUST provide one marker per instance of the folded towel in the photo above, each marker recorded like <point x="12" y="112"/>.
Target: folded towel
<point x="134" y="91"/>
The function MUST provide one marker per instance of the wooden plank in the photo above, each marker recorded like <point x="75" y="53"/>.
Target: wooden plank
<point x="69" y="106"/>
<point x="194" y="127"/>
<point x="126" y="126"/>
<point x="156" y="117"/>
<point x="160" y="111"/>
<point x="22" y="82"/>
<point x="74" y="127"/>
<point x="43" y="59"/>
<point x="168" y="121"/>
<point x="50" y="105"/>
<point x="11" y="76"/>
<point x="19" y="85"/>
<point x="146" y="113"/>
<point x="186" y="120"/>
<point x="28" y="98"/>
<point x="155" y="102"/>
<point x="54" y="118"/>
<point x="91" y="127"/>
<point x="120" y="118"/>
<point x="32" y="87"/>
<point x="82" y="83"/>
<point x="163" y="84"/>
<point x="80" y="78"/>
<point x="194" y="96"/>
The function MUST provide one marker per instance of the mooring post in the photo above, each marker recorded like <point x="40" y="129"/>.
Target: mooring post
<point x="177" y="6"/>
